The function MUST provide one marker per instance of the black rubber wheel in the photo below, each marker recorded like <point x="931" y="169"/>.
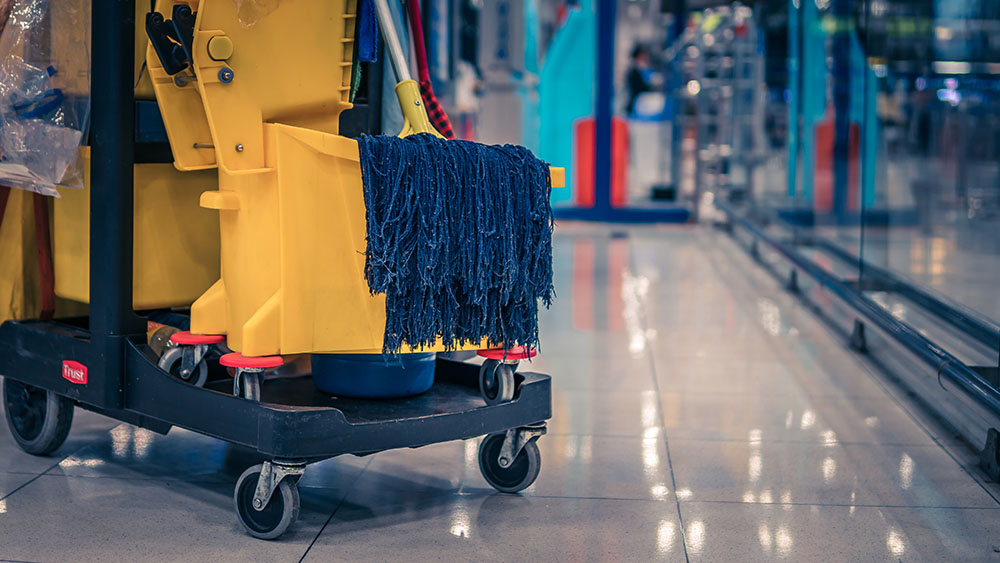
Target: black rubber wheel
<point x="275" y="518"/>
<point x="39" y="420"/>
<point x="170" y="362"/>
<point x="519" y="475"/>
<point x="496" y="382"/>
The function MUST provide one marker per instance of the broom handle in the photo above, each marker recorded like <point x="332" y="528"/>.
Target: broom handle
<point x="388" y="28"/>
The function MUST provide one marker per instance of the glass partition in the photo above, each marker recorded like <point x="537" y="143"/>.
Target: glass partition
<point x="935" y="133"/>
<point x="870" y="144"/>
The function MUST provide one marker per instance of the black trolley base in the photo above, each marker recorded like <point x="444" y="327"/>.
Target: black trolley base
<point x="103" y="363"/>
<point x="48" y="370"/>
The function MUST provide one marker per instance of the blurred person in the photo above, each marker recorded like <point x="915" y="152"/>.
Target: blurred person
<point x="638" y="77"/>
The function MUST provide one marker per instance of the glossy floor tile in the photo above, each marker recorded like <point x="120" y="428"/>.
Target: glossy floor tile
<point x="503" y="528"/>
<point x="747" y="532"/>
<point x="804" y="473"/>
<point x="700" y="413"/>
<point x="789" y="418"/>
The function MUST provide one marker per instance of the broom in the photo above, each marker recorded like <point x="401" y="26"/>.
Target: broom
<point x="459" y="234"/>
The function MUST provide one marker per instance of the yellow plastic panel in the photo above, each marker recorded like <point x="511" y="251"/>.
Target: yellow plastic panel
<point x="181" y="108"/>
<point x="557" y="177"/>
<point x="220" y="200"/>
<point x="211" y="311"/>
<point x="292" y="66"/>
<point x="327" y="305"/>
<point x="176" y="253"/>
<point x="220" y="47"/>
<point x="250" y="261"/>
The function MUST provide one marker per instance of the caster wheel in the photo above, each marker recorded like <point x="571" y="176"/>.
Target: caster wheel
<point x="514" y="478"/>
<point x="160" y="338"/>
<point x="496" y="382"/>
<point x="38" y="419"/>
<point x="170" y="362"/>
<point x="250" y="388"/>
<point x="274" y="519"/>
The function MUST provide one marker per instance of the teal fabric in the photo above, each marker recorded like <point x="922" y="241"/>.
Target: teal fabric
<point x="566" y="91"/>
<point x="527" y="90"/>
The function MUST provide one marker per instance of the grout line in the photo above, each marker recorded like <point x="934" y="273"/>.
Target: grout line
<point x="846" y="505"/>
<point x="767" y="441"/>
<point x="140" y="479"/>
<point x="50" y="468"/>
<point x="336" y="508"/>
<point x="663" y="430"/>
<point x="670" y="464"/>
<point x="30" y="481"/>
<point x="799" y="504"/>
<point x="483" y="493"/>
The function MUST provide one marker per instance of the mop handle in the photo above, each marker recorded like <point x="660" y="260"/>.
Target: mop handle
<point x="388" y="28"/>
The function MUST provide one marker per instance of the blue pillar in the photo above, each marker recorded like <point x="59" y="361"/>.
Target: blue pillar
<point x="794" y="89"/>
<point x="842" y="87"/>
<point x="604" y="110"/>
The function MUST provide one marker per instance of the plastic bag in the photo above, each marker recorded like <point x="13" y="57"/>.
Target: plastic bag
<point x="44" y="93"/>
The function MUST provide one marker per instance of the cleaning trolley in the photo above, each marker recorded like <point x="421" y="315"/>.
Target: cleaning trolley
<point x="250" y="102"/>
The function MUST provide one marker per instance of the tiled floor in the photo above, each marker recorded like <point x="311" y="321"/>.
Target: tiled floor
<point x="699" y="414"/>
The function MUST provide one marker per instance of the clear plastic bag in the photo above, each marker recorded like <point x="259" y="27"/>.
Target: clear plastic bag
<point x="44" y="93"/>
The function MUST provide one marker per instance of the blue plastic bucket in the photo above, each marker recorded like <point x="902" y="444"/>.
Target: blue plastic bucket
<point x="372" y="376"/>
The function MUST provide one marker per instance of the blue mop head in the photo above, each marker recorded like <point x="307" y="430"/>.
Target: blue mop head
<point x="459" y="240"/>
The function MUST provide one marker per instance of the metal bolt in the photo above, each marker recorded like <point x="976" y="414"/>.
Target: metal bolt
<point x="416" y="102"/>
<point x="226" y="75"/>
<point x="239" y="147"/>
<point x="257" y="503"/>
<point x="504" y="462"/>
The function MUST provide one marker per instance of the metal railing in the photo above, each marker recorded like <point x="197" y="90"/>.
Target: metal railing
<point x="983" y="395"/>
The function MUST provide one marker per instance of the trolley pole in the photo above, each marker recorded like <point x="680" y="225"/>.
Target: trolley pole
<point x="111" y="191"/>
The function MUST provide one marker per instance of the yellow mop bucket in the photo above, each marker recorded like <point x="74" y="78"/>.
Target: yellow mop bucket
<point x="264" y="109"/>
<point x="293" y="242"/>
